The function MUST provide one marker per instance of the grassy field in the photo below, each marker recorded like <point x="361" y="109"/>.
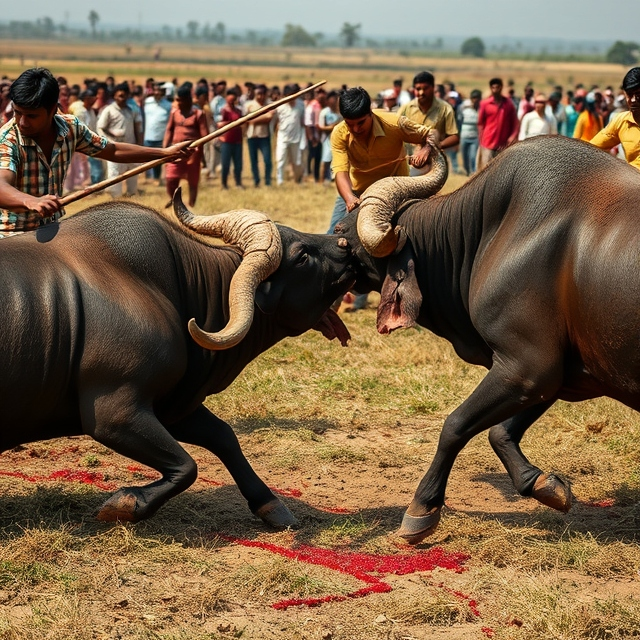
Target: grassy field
<point x="344" y="436"/>
<point x="370" y="68"/>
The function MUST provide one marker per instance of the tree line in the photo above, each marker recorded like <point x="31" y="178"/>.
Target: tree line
<point x="349" y="36"/>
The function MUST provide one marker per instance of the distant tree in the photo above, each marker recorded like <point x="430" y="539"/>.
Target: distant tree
<point x="473" y="47"/>
<point x="350" y="34"/>
<point x="296" y="36"/>
<point x="625" y="53"/>
<point x="94" y="18"/>
<point x="192" y="29"/>
<point x="219" y="32"/>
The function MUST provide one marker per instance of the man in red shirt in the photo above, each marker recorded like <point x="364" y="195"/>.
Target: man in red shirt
<point x="497" y="124"/>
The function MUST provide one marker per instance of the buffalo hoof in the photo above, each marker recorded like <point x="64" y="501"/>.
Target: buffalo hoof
<point x="277" y="515"/>
<point x="119" y="507"/>
<point x="553" y="492"/>
<point x="415" y="529"/>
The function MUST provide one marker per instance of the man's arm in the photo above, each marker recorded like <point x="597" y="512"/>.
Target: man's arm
<point x="125" y="152"/>
<point x="19" y="202"/>
<point x="345" y="189"/>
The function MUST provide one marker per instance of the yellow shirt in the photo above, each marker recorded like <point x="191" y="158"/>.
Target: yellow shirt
<point x="439" y="117"/>
<point x="624" y="130"/>
<point x="382" y="156"/>
<point x="587" y="126"/>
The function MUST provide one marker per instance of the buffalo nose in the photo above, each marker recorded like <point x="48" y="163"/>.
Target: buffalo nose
<point x="342" y="242"/>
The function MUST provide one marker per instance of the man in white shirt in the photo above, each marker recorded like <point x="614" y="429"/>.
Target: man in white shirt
<point x="289" y="119"/>
<point x="537" y="122"/>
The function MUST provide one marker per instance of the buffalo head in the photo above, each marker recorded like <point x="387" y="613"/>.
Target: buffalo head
<point x="383" y="257"/>
<point x="293" y="277"/>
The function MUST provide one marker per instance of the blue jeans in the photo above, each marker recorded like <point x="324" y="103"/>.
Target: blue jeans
<point x="96" y="170"/>
<point x="155" y="172"/>
<point x="263" y="145"/>
<point x="469" y="151"/>
<point x="231" y="151"/>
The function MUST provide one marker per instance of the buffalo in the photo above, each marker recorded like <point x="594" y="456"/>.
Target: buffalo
<point x="532" y="270"/>
<point x="118" y="323"/>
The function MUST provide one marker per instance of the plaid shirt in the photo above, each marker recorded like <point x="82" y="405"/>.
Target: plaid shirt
<point x="34" y="175"/>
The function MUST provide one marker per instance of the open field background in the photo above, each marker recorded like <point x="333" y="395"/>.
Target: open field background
<point x="344" y="435"/>
<point x="373" y="69"/>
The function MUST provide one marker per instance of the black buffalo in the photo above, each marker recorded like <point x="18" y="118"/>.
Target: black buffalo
<point x="532" y="270"/>
<point x="94" y="322"/>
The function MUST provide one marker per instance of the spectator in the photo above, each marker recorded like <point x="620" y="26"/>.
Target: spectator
<point x="468" y="116"/>
<point x="427" y="110"/>
<point x="118" y="123"/>
<point x="402" y="96"/>
<point x="537" y="122"/>
<point x="156" y="116"/>
<point x="202" y="100"/>
<point x="231" y="147"/>
<point x="624" y="128"/>
<point x="555" y="109"/>
<point x="390" y="101"/>
<point x="186" y="122"/>
<point x="30" y="189"/>
<point x="497" y="124"/>
<point x="288" y="118"/>
<point x="527" y="102"/>
<point x="572" y="111"/>
<point x="259" y="136"/>
<point x="311" y="115"/>
<point x="589" y="121"/>
<point x="328" y="119"/>
<point x="80" y="171"/>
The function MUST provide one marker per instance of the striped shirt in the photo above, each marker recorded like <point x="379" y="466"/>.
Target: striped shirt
<point x="34" y="175"/>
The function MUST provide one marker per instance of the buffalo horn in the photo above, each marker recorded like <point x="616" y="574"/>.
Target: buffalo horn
<point x="259" y="242"/>
<point x="380" y="202"/>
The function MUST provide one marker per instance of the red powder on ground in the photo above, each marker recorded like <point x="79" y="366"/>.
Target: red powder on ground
<point x="287" y="493"/>
<point x="601" y="504"/>
<point x="366" y="567"/>
<point x="68" y="475"/>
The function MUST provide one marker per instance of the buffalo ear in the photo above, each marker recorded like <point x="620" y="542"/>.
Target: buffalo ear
<point x="400" y="297"/>
<point x="268" y="296"/>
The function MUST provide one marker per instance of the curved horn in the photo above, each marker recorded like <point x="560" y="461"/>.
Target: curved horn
<point x="259" y="241"/>
<point x="382" y="199"/>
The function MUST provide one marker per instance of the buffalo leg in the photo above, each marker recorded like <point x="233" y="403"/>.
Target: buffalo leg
<point x="528" y="479"/>
<point x="204" y="429"/>
<point x="496" y="399"/>
<point x="137" y="434"/>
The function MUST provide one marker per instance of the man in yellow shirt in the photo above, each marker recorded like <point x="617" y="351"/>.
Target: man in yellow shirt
<point x="624" y="129"/>
<point x="369" y="145"/>
<point x="429" y="110"/>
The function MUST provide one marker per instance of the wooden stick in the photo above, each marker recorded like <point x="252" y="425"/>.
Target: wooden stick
<point x="99" y="186"/>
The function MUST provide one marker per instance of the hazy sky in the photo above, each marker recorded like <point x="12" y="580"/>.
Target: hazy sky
<point x="583" y="20"/>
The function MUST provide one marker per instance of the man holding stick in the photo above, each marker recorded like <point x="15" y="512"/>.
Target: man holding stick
<point x="36" y="148"/>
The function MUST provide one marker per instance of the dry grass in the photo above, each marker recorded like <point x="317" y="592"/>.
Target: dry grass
<point x="276" y="65"/>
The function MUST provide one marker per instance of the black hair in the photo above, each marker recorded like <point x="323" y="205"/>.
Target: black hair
<point x="354" y="103"/>
<point x="424" y="77"/>
<point x="631" y="80"/>
<point x="184" y="91"/>
<point x="476" y="93"/>
<point x="35" y="88"/>
<point x="123" y="86"/>
<point x="202" y="91"/>
<point x="496" y="81"/>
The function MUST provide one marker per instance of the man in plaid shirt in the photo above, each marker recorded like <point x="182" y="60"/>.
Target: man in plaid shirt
<point x="36" y="147"/>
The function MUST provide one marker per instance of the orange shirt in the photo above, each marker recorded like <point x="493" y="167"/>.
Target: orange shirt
<point x="587" y="126"/>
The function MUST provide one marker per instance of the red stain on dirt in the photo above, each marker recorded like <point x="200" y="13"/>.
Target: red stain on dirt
<point x="67" y="475"/>
<point x="367" y="567"/>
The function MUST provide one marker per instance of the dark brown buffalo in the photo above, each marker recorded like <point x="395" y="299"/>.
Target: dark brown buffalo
<point x="532" y="270"/>
<point x="94" y="320"/>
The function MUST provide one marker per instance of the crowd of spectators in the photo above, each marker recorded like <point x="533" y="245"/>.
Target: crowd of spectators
<point x="294" y="139"/>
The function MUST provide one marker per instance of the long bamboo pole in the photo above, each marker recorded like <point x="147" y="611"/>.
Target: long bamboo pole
<point x="99" y="186"/>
